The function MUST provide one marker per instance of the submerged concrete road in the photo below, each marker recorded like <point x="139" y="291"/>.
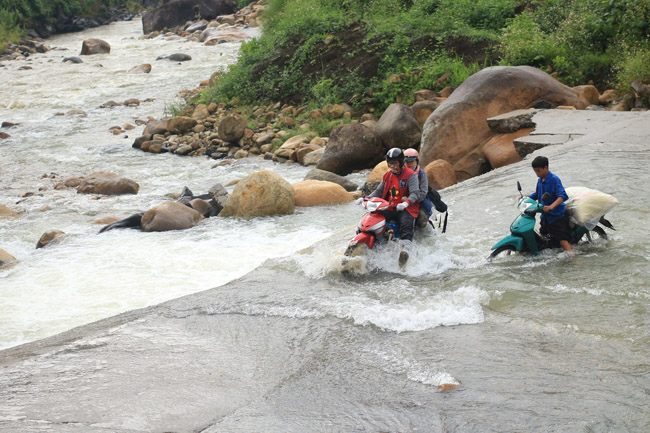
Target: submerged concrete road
<point x="179" y="367"/>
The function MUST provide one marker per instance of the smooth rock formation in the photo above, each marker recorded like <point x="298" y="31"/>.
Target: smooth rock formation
<point x="168" y="15"/>
<point x="107" y="183"/>
<point x="398" y="127"/>
<point x="500" y="150"/>
<point x="319" y="192"/>
<point x="259" y="194"/>
<point x="6" y="212"/>
<point x="231" y="128"/>
<point x="457" y="130"/>
<point x="440" y="174"/>
<point x="512" y="121"/>
<point x="328" y="176"/>
<point x="50" y="237"/>
<point x="95" y="46"/>
<point x="351" y="147"/>
<point x="6" y="259"/>
<point x="170" y="215"/>
<point x="210" y="9"/>
<point x="145" y="68"/>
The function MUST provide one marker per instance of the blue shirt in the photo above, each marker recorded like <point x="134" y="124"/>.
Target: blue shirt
<point x="553" y="185"/>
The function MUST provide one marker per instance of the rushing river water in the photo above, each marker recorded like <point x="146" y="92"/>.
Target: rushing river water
<point x="547" y="343"/>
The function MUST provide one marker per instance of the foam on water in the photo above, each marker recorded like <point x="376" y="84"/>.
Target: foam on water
<point x="446" y="308"/>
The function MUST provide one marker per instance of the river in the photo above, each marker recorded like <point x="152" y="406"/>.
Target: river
<point x="548" y="343"/>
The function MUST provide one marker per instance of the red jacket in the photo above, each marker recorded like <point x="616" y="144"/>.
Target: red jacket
<point x="396" y="187"/>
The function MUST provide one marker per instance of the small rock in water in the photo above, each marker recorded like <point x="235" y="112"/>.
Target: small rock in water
<point x="72" y="59"/>
<point x="105" y="220"/>
<point x="446" y="387"/>
<point x="141" y="69"/>
<point x="78" y="113"/>
<point x="109" y="104"/>
<point x="49" y="237"/>
<point x="177" y="57"/>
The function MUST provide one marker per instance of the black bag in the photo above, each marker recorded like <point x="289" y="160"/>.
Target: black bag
<point x="435" y="198"/>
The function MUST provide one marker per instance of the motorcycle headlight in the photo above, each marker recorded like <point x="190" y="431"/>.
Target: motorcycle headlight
<point x="524" y="204"/>
<point x="372" y="206"/>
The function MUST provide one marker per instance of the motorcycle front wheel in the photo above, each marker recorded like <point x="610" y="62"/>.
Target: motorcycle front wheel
<point x="356" y="250"/>
<point x="503" y="250"/>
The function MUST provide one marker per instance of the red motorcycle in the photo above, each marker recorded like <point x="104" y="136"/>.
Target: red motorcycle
<point x="372" y="225"/>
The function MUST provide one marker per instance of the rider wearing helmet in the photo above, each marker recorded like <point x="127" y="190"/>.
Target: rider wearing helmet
<point x="400" y="187"/>
<point x="412" y="161"/>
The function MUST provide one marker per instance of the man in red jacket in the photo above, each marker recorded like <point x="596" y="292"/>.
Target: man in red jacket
<point x="400" y="186"/>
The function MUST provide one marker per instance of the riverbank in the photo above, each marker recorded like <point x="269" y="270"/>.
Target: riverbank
<point x="257" y="354"/>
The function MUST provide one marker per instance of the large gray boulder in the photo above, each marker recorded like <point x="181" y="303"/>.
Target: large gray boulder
<point x="210" y="9"/>
<point x="351" y="147"/>
<point x="398" y="127"/>
<point x="172" y="14"/>
<point x="328" y="176"/>
<point x="95" y="46"/>
<point x="457" y="130"/>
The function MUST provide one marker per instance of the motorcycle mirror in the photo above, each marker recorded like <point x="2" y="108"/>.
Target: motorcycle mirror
<point x="518" y="186"/>
<point x="546" y="196"/>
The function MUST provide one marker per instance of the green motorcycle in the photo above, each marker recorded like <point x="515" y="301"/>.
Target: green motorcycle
<point x="524" y="239"/>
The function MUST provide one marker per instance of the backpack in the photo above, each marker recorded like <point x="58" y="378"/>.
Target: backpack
<point x="435" y="198"/>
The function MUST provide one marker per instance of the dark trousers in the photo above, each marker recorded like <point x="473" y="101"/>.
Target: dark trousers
<point x="558" y="230"/>
<point x="405" y="221"/>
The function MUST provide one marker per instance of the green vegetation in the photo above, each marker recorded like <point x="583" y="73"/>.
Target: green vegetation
<point x="375" y="52"/>
<point x="10" y="31"/>
<point x="580" y="40"/>
<point x="17" y="15"/>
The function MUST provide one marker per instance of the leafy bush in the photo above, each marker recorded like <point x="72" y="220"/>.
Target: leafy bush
<point x="424" y="76"/>
<point x="524" y="43"/>
<point x="635" y="65"/>
<point x="10" y="32"/>
<point x="455" y="17"/>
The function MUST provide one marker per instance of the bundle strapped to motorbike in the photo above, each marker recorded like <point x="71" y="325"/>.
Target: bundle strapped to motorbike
<point x="586" y="207"/>
<point x="440" y="206"/>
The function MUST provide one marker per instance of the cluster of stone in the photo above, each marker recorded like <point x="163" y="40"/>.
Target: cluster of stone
<point x="219" y="131"/>
<point x="24" y="49"/>
<point x="210" y="27"/>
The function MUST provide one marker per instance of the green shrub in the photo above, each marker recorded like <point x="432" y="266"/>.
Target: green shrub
<point x="524" y="43"/>
<point x="10" y="32"/>
<point x="420" y="77"/>
<point x="635" y="65"/>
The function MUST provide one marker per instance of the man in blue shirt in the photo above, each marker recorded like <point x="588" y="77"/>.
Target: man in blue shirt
<point x="554" y="221"/>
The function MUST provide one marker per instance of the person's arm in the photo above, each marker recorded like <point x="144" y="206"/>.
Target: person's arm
<point x="414" y="189"/>
<point x="424" y="185"/>
<point x="379" y="191"/>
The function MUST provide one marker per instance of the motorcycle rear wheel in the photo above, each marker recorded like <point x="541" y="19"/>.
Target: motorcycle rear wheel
<point x="596" y="234"/>
<point x="503" y="250"/>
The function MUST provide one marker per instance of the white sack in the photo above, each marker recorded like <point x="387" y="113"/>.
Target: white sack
<point x="586" y="206"/>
